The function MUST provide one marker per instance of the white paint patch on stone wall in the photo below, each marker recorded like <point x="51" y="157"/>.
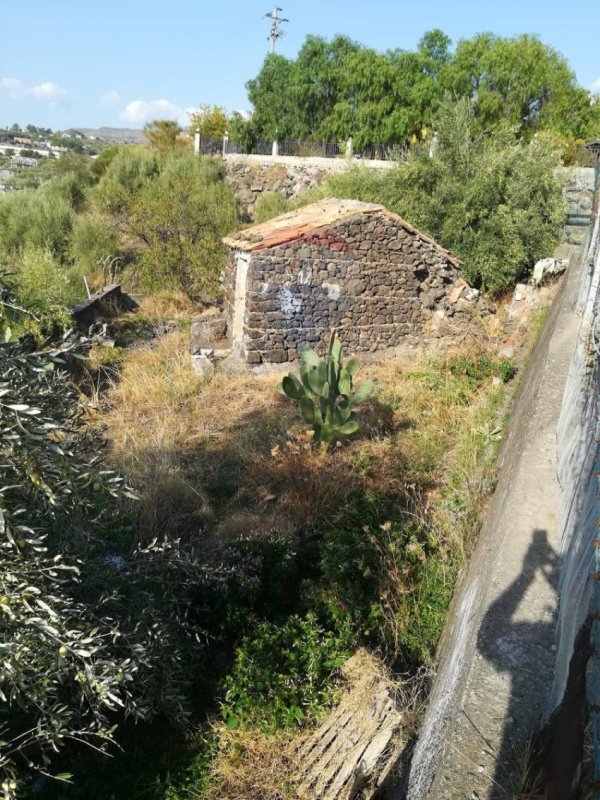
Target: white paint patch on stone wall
<point x="290" y="303"/>
<point x="304" y="276"/>
<point x="333" y="290"/>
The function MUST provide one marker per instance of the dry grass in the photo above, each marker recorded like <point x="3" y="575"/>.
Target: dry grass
<point x="229" y="455"/>
<point x="254" y="766"/>
<point x="169" y="305"/>
<point x="173" y="433"/>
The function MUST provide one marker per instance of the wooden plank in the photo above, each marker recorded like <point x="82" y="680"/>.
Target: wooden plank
<point x="353" y="750"/>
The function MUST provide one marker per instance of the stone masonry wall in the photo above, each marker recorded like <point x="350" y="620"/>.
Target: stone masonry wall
<point x="378" y="283"/>
<point x="250" y="176"/>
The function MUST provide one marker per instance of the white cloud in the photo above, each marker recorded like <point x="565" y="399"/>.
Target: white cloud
<point x="47" y="91"/>
<point x="595" y="87"/>
<point x="111" y="98"/>
<point x="139" y="112"/>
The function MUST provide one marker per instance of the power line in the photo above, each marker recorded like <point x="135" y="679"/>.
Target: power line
<point x="276" y="32"/>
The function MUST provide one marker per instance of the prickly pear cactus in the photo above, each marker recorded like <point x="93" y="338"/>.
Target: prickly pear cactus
<point x="324" y="391"/>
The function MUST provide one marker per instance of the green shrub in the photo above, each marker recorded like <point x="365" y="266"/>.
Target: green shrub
<point x="269" y="205"/>
<point x="92" y="239"/>
<point x="43" y="283"/>
<point x="388" y="577"/>
<point x="128" y="170"/>
<point x="181" y="217"/>
<point x="285" y="673"/>
<point x="481" y="368"/>
<point x="42" y="218"/>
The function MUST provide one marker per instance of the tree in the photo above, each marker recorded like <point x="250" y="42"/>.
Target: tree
<point x="521" y="81"/>
<point x="162" y="135"/>
<point x="62" y="676"/>
<point x="338" y="88"/>
<point x="209" y="121"/>
<point x="271" y="93"/>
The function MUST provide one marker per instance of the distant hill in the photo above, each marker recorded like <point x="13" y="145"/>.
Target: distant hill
<point x="117" y="135"/>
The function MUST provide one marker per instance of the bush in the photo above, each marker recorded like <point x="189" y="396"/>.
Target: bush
<point x="91" y="240"/>
<point x="182" y="216"/>
<point x="62" y="676"/>
<point x="41" y="217"/>
<point x="282" y="676"/>
<point x="128" y="170"/>
<point x="43" y="283"/>
<point x="269" y="205"/>
<point x="387" y="577"/>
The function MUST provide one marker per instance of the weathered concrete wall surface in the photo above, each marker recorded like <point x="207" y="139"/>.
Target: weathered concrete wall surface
<point x="579" y="192"/>
<point x="495" y="673"/>
<point x="578" y="468"/>
<point x="250" y="176"/>
<point x="375" y="281"/>
<point x="508" y="647"/>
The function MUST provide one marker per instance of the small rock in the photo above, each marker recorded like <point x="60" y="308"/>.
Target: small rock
<point x="202" y="365"/>
<point x="548" y="266"/>
<point x="470" y="294"/>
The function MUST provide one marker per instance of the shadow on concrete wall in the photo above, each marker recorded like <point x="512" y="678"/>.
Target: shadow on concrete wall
<point x="504" y="641"/>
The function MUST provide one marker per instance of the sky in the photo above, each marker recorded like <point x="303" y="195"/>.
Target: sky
<point x="69" y="63"/>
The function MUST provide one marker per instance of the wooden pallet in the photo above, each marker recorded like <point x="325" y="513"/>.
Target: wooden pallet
<point x="357" y="745"/>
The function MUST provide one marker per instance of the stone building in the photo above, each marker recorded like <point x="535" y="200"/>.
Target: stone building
<point x="336" y="263"/>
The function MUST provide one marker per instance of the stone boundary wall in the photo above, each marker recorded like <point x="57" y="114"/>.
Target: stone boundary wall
<point x="250" y="176"/>
<point x="376" y="282"/>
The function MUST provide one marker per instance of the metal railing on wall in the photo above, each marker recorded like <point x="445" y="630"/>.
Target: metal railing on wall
<point x="209" y="145"/>
<point x="587" y="155"/>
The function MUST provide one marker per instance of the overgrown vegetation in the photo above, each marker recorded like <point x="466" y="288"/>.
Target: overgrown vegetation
<point x="200" y="619"/>
<point x="492" y="200"/>
<point x="317" y="551"/>
<point x="162" y="213"/>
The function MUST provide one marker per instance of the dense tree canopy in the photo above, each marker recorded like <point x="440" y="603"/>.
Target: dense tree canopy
<point x="338" y="88"/>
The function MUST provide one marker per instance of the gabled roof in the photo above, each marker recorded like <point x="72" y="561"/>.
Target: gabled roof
<point x="295" y="224"/>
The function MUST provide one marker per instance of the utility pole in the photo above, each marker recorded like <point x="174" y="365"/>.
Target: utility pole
<point x="276" y="32"/>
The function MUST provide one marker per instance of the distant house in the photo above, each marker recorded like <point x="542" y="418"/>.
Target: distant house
<point x="23" y="161"/>
<point x="336" y="263"/>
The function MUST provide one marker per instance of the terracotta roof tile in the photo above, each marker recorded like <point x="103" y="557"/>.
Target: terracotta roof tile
<point x="295" y="224"/>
